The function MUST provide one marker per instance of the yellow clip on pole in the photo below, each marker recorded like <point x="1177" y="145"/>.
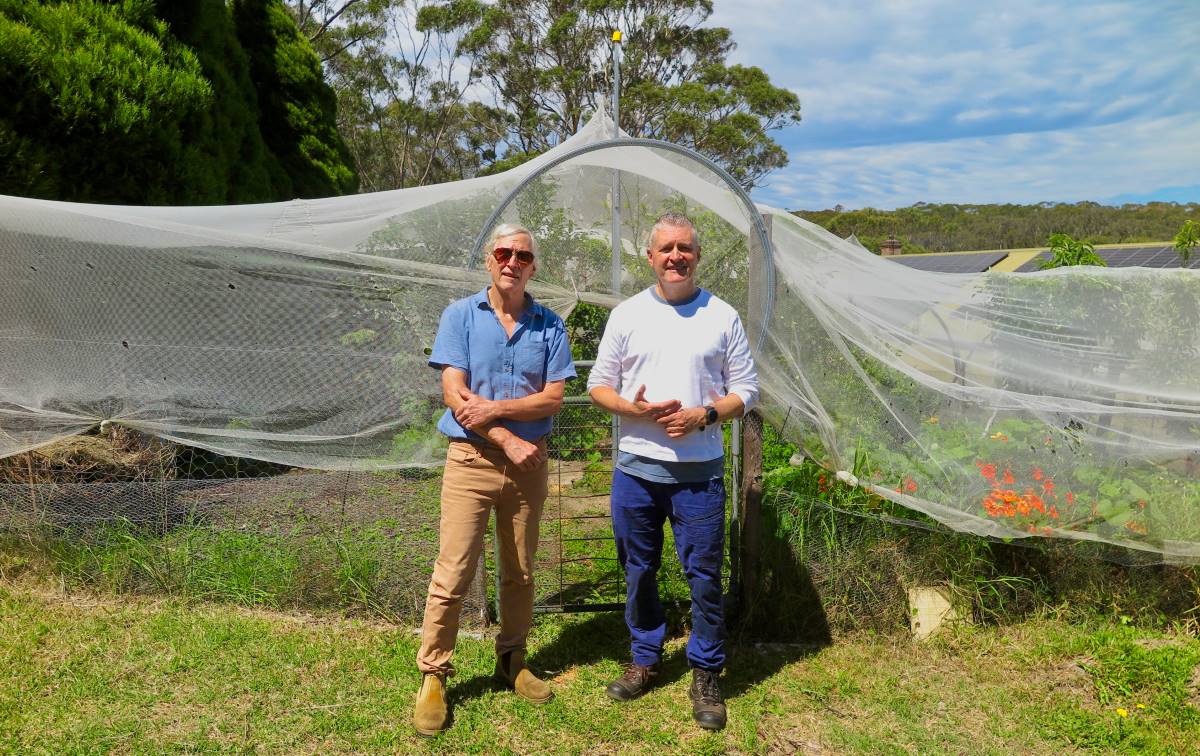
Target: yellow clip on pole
<point x="616" y="37"/>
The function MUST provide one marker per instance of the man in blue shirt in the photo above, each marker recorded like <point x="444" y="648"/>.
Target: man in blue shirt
<point x="504" y="359"/>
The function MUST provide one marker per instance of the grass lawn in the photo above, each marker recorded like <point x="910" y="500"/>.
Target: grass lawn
<point x="94" y="674"/>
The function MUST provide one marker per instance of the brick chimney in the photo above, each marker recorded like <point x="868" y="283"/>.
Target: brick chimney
<point x="890" y="246"/>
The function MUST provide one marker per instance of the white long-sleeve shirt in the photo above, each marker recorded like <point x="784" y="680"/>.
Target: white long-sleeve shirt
<point x="695" y="352"/>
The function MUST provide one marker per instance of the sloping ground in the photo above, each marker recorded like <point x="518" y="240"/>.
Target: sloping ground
<point x="80" y="673"/>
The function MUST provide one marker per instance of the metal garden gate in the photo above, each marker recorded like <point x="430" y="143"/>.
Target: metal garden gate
<point x="577" y="568"/>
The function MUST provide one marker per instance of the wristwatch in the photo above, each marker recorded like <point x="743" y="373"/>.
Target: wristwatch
<point x="710" y="416"/>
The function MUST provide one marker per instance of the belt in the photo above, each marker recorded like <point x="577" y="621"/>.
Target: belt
<point x="480" y="445"/>
<point x="486" y="445"/>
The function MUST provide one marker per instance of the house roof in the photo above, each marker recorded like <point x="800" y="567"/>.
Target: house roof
<point x="1143" y="254"/>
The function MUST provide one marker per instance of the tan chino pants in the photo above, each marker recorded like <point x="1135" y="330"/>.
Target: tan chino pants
<point x="477" y="480"/>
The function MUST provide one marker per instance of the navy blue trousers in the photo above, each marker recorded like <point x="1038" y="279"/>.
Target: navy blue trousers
<point x="697" y="515"/>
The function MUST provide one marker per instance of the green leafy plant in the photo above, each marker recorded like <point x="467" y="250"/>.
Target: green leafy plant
<point x="1066" y="251"/>
<point x="1186" y="241"/>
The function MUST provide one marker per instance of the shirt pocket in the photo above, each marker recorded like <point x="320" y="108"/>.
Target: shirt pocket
<point x="531" y="363"/>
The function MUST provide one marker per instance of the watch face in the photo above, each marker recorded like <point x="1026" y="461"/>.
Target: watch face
<point x="710" y="415"/>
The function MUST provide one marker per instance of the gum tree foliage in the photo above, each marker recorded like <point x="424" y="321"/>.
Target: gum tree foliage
<point x="435" y="90"/>
<point x="334" y="26"/>
<point x="401" y="74"/>
<point x="547" y="65"/>
<point x="147" y="102"/>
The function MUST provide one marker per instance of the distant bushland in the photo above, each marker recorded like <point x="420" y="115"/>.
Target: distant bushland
<point x="927" y="227"/>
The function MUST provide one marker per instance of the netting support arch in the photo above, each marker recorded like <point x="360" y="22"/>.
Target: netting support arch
<point x="765" y="300"/>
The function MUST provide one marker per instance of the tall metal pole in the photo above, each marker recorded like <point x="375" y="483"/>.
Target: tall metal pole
<point x="616" y="207"/>
<point x="616" y="181"/>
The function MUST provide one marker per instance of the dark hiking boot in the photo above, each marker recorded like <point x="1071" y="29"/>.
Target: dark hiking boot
<point x="635" y="681"/>
<point x="708" y="707"/>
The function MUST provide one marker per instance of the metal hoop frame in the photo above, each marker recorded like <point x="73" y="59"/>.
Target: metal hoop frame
<point x="760" y="228"/>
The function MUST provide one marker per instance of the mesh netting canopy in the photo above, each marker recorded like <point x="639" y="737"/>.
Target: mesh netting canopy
<point x="1062" y="403"/>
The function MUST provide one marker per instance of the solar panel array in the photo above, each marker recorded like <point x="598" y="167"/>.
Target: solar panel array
<point x="1159" y="256"/>
<point x="974" y="262"/>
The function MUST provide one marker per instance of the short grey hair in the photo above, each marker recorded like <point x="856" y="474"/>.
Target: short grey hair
<point x="511" y="229"/>
<point x="674" y="220"/>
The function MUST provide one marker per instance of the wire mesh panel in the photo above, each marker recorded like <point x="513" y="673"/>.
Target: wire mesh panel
<point x="578" y="567"/>
<point x="186" y="522"/>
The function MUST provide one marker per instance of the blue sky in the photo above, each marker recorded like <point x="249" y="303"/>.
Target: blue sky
<point x="979" y="102"/>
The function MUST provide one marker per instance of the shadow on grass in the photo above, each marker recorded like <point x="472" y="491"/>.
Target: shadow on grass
<point x="595" y="637"/>
<point x="604" y="636"/>
<point x="786" y="606"/>
<point x="459" y="693"/>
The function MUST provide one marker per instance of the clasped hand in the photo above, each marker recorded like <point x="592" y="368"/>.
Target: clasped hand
<point x="670" y="414"/>
<point x="475" y="410"/>
<point x="526" y="455"/>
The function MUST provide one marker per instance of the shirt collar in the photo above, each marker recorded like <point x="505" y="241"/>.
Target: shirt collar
<point x="695" y="295"/>
<point x="533" y="309"/>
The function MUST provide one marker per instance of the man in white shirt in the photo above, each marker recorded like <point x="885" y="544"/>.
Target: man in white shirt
<point x="673" y="363"/>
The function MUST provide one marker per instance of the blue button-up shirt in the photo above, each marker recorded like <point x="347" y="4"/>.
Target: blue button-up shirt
<point x="471" y="339"/>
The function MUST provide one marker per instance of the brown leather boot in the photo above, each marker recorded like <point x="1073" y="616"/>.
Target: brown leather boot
<point x="431" y="715"/>
<point x="708" y="705"/>
<point x="511" y="670"/>
<point x="633" y="682"/>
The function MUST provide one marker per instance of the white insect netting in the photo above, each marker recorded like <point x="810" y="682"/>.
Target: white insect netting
<point x="1062" y="403"/>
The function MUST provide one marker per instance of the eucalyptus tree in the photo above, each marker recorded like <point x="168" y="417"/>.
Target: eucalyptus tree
<point x="405" y="78"/>
<point x="433" y="90"/>
<point x="547" y="66"/>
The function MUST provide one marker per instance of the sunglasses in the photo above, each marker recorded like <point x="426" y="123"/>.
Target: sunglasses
<point x="504" y="254"/>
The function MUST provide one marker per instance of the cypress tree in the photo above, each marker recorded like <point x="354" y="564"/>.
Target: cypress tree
<point x="297" y="110"/>
<point x="226" y="160"/>
<point x="96" y="97"/>
<point x="167" y="102"/>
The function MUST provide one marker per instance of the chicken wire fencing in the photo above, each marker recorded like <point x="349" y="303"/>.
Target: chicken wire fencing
<point x="133" y="513"/>
<point x="130" y="512"/>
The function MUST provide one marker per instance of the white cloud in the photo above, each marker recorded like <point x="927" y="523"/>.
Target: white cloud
<point x="1097" y="163"/>
<point x="1026" y="100"/>
<point x="976" y="115"/>
<point x="850" y="62"/>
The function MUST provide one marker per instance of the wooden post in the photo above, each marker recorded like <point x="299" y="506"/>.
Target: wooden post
<point x="750" y="517"/>
<point x="749" y="546"/>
